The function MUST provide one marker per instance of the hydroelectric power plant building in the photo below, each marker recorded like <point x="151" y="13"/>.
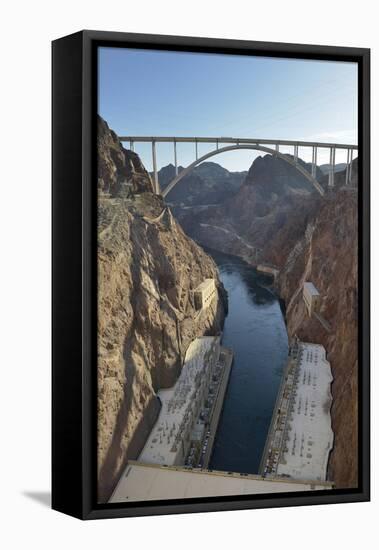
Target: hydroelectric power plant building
<point x="204" y="294"/>
<point x="311" y="297"/>
<point x="179" y="422"/>
<point x="163" y="470"/>
<point x="301" y="436"/>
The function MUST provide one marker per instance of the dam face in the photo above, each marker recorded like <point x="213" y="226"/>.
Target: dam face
<point x="255" y="331"/>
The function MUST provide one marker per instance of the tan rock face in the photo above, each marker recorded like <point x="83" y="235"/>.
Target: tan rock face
<point x="248" y="223"/>
<point x="117" y="166"/>
<point x="147" y="271"/>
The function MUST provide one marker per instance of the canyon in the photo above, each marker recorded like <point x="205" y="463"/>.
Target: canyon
<point x="209" y="183"/>
<point x="150" y="261"/>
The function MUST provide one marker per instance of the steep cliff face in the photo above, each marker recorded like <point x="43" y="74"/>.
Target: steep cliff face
<point x="247" y="223"/>
<point x="120" y="171"/>
<point x="327" y="255"/>
<point x="147" y="271"/>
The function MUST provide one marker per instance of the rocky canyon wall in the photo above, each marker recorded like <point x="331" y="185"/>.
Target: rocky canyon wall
<point x="246" y="224"/>
<point x="147" y="271"/>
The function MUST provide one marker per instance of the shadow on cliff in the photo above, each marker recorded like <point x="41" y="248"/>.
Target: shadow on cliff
<point x="113" y="464"/>
<point x="117" y="457"/>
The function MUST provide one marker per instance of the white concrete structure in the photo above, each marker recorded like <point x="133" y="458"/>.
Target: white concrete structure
<point x="170" y="438"/>
<point x="142" y="482"/>
<point x="311" y="297"/>
<point x="204" y="294"/>
<point x="307" y="434"/>
<point x="269" y="146"/>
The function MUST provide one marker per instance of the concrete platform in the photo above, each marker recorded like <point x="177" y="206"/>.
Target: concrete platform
<point x="143" y="482"/>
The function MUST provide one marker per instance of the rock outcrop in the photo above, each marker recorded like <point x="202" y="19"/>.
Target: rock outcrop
<point x="147" y="271"/>
<point x="119" y="171"/>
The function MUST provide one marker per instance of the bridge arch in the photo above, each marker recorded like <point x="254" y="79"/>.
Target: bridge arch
<point x="255" y="147"/>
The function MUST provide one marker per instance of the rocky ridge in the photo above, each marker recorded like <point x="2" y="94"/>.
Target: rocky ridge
<point x="209" y="183"/>
<point x="246" y="223"/>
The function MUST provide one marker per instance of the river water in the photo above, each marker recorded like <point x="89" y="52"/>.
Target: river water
<point x="255" y="330"/>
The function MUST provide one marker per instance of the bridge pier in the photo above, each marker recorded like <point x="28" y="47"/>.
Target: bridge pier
<point x="332" y="166"/>
<point x="351" y="166"/>
<point x="176" y="160"/>
<point x="348" y="166"/>
<point x="314" y="161"/>
<point x="295" y="153"/>
<point x="277" y="148"/>
<point x="132" y="145"/>
<point x="196" y="152"/>
<point x="156" y="183"/>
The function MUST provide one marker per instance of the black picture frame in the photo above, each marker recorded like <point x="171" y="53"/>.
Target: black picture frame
<point x="74" y="333"/>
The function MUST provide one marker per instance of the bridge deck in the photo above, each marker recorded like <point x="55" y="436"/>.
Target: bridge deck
<point x="196" y="139"/>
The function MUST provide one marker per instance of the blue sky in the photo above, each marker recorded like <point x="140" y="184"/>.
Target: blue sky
<point x="144" y="92"/>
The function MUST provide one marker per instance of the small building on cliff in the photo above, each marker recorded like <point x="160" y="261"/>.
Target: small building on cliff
<point x="311" y="297"/>
<point x="204" y="294"/>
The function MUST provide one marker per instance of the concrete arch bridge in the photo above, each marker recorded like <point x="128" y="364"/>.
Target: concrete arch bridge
<point x="223" y="144"/>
